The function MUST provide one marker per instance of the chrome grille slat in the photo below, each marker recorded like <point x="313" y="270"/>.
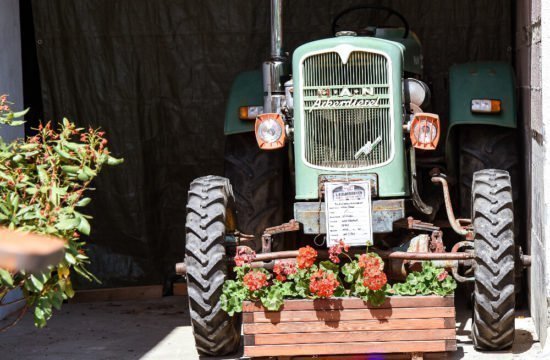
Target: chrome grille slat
<point x="334" y="134"/>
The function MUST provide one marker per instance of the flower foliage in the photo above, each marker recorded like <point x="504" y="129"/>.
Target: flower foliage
<point x="303" y="278"/>
<point x="429" y="281"/>
<point x="43" y="183"/>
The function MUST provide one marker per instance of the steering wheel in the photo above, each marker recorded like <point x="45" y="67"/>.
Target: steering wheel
<point x="390" y="12"/>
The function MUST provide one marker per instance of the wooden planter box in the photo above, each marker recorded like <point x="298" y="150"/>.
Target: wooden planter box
<point x="415" y="324"/>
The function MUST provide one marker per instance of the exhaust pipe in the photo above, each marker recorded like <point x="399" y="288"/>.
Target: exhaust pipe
<point x="277" y="29"/>
<point x="275" y="70"/>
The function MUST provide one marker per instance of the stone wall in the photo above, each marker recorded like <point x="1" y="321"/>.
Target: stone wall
<point x="533" y="75"/>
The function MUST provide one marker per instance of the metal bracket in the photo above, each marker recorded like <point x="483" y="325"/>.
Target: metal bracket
<point x="416" y="199"/>
<point x="267" y="236"/>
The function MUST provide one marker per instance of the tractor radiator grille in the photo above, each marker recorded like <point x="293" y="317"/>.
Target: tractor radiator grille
<point x="346" y="106"/>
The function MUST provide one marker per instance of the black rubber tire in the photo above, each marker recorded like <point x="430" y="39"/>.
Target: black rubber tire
<point x="258" y="181"/>
<point x="490" y="147"/>
<point x="209" y="199"/>
<point x="487" y="147"/>
<point x="494" y="294"/>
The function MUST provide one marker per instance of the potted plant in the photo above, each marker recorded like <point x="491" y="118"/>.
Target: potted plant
<point x="343" y="305"/>
<point x="44" y="180"/>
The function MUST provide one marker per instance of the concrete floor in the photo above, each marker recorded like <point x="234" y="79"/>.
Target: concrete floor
<point x="160" y="329"/>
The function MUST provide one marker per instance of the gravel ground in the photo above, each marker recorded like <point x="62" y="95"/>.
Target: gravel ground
<point x="160" y="329"/>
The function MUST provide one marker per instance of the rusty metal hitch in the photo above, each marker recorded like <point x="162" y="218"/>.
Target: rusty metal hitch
<point x="267" y="236"/>
<point x="455" y="224"/>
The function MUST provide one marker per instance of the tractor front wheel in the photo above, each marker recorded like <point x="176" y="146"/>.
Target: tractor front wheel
<point x="494" y="298"/>
<point x="209" y="207"/>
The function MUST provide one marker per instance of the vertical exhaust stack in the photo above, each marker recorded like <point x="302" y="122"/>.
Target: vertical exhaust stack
<point x="275" y="70"/>
<point x="277" y="29"/>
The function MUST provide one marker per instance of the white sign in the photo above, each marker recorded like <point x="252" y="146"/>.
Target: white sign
<point x="348" y="213"/>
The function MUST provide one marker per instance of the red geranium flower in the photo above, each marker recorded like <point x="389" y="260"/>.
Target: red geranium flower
<point x="306" y="257"/>
<point x="323" y="284"/>
<point x="336" y="250"/>
<point x="368" y="260"/>
<point x="255" y="280"/>
<point x="442" y="275"/>
<point x="376" y="282"/>
<point x="284" y="268"/>
<point x="245" y="255"/>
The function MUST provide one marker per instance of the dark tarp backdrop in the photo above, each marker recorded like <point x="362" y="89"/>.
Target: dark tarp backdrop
<point x="155" y="75"/>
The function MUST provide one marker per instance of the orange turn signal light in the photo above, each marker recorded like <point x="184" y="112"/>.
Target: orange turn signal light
<point x="485" y="106"/>
<point x="250" y="112"/>
<point x="425" y="130"/>
<point x="270" y="131"/>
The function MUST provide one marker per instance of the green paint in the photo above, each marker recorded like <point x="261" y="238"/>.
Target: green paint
<point x="478" y="80"/>
<point x="413" y="61"/>
<point x="247" y="90"/>
<point x="482" y="80"/>
<point x="392" y="177"/>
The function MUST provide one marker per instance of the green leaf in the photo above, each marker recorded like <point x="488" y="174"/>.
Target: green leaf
<point x="31" y="190"/>
<point x="38" y="285"/>
<point x="82" y="176"/>
<point x="42" y="174"/>
<point x="84" y="226"/>
<point x="70" y="258"/>
<point x="39" y="317"/>
<point x="18" y="158"/>
<point x="82" y="273"/>
<point x="70" y="169"/>
<point x="63" y="153"/>
<point x="329" y="266"/>
<point x="68" y="224"/>
<point x="89" y="171"/>
<point x="6" y="278"/>
<point x="350" y="271"/>
<point x="19" y="114"/>
<point x="114" y="161"/>
<point x="56" y="298"/>
<point x="83" y="202"/>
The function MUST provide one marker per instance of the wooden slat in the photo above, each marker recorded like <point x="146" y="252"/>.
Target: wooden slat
<point x="354" y="314"/>
<point x="355" y="336"/>
<point x="355" y="303"/>
<point x="354" y="325"/>
<point x="451" y="345"/>
<point x="179" y="289"/>
<point x="350" y="348"/>
<point x="388" y="356"/>
<point x="118" y="294"/>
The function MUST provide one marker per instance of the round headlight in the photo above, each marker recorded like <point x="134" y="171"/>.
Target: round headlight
<point x="270" y="131"/>
<point x="425" y="132"/>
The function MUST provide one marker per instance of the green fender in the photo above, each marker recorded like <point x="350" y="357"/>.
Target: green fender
<point x="247" y="90"/>
<point x="479" y="80"/>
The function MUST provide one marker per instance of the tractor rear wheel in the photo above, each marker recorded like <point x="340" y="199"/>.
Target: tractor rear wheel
<point x="209" y="207"/>
<point x="494" y="298"/>
<point x="486" y="147"/>
<point x="490" y="147"/>
<point x="257" y="178"/>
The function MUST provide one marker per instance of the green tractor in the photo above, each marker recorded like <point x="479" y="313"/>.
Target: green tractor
<point x="343" y="124"/>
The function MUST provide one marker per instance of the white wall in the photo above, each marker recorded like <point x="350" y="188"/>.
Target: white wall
<point x="11" y="82"/>
<point x="533" y="73"/>
<point x="11" y="73"/>
<point x="545" y="105"/>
